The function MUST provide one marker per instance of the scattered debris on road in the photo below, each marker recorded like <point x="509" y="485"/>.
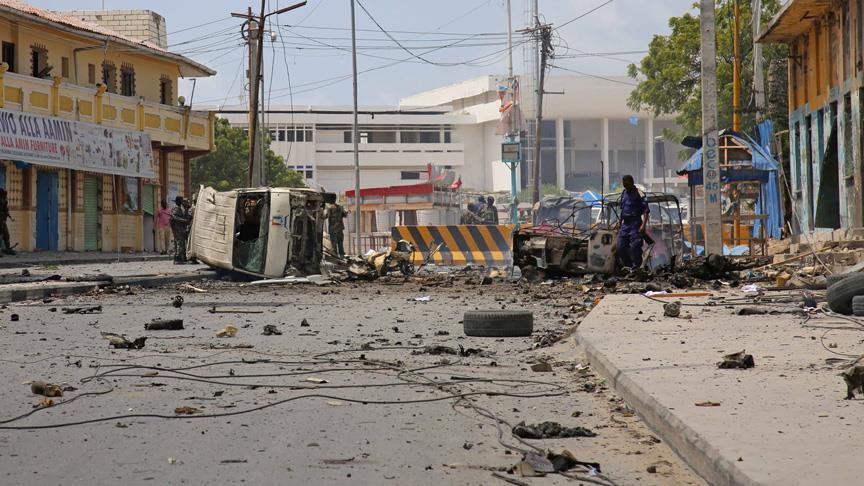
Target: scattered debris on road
<point x="177" y="301"/>
<point x="542" y="367"/>
<point x="91" y="309"/>
<point x="549" y="430"/>
<point x="227" y="332"/>
<point x="854" y="378"/>
<point x="186" y="410"/>
<point x="672" y="309"/>
<point x="164" y="325"/>
<point x="738" y="360"/>
<point x="271" y="330"/>
<point x="46" y="389"/>
<point x="120" y="341"/>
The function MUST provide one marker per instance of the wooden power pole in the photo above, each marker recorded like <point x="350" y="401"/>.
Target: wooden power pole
<point x="710" y="155"/>
<point x="544" y="31"/>
<point x="254" y="34"/>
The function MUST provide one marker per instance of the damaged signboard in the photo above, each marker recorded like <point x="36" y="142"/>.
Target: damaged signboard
<point x="268" y="232"/>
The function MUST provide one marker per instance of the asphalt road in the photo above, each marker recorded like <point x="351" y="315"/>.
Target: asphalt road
<point x="318" y="404"/>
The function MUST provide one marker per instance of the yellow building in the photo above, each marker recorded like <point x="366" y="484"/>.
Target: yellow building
<point x="92" y="136"/>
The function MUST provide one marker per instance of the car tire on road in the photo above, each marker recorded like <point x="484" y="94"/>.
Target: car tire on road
<point x="498" y="323"/>
<point x="841" y="293"/>
<point x="858" y="305"/>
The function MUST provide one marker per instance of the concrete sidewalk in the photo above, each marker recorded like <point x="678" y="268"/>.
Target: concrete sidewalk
<point x="145" y="274"/>
<point x="784" y="422"/>
<point x="58" y="258"/>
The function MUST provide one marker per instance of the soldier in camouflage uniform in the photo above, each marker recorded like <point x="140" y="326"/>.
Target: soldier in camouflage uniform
<point x="180" y="229"/>
<point x="4" y="229"/>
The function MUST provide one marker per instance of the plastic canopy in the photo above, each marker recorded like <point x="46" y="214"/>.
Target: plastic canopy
<point x="762" y="160"/>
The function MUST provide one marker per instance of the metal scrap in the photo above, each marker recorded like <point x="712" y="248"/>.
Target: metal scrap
<point x="46" y="389"/>
<point x="120" y="341"/>
<point x="92" y="309"/>
<point x="547" y="430"/>
<point x="737" y="360"/>
<point x="164" y="325"/>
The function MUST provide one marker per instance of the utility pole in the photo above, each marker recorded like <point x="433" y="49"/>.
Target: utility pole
<point x="355" y="132"/>
<point x="544" y="33"/>
<point x="758" y="75"/>
<point x="256" y="50"/>
<point x="710" y="156"/>
<point x="509" y="137"/>
<point x="736" y="68"/>
<point x="253" y="33"/>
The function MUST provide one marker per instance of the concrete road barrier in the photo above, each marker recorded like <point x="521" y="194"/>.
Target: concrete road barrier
<point x="487" y="245"/>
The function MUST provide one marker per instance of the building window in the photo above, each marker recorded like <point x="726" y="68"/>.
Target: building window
<point x="346" y="137"/>
<point x="109" y="76"/>
<point x="9" y="55"/>
<point x="307" y="170"/>
<point x="166" y="96"/>
<point x="410" y="175"/>
<point x="64" y="67"/>
<point x="364" y="137"/>
<point x="298" y="136"/>
<point x="430" y="137"/>
<point x="409" y="137"/>
<point x="308" y="135"/>
<point x="281" y="135"/>
<point x="272" y="134"/>
<point x="127" y="80"/>
<point x="91" y="73"/>
<point x="39" y="67"/>
<point x="447" y="138"/>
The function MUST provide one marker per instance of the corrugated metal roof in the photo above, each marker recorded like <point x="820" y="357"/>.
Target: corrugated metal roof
<point x="25" y="10"/>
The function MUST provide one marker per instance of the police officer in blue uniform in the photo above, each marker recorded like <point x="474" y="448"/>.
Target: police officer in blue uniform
<point x="634" y="219"/>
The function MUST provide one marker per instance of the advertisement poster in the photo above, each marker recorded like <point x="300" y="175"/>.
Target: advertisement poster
<point x="76" y="145"/>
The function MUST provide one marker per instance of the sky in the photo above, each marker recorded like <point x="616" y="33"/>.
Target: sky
<point x="440" y="42"/>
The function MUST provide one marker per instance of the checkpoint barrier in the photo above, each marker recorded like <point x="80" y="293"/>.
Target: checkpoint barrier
<point x="486" y="245"/>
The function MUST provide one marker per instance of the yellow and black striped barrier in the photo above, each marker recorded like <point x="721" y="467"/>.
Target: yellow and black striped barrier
<point x="488" y="245"/>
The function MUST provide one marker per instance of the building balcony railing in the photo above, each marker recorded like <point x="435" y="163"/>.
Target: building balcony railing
<point x="391" y="154"/>
<point x="170" y="125"/>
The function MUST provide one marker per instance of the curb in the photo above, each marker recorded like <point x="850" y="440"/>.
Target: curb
<point x="697" y="452"/>
<point x="63" y="289"/>
<point x="83" y="261"/>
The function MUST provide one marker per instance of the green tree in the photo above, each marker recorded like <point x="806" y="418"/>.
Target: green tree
<point x="669" y="76"/>
<point x="227" y="167"/>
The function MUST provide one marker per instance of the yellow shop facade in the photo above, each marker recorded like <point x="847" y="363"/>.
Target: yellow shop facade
<point x="92" y="135"/>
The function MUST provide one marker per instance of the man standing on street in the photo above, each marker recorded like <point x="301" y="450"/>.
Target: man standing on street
<point x="163" y="228"/>
<point x="336" y="227"/>
<point x="4" y="229"/>
<point x="634" y="219"/>
<point x="180" y="228"/>
<point x="491" y="213"/>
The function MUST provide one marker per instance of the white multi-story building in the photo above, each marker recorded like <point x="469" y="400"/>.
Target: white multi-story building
<point x="587" y="129"/>
<point x="396" y="145"/>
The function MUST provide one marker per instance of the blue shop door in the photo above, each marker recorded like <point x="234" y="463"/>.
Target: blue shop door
<point x="46" y="210"/>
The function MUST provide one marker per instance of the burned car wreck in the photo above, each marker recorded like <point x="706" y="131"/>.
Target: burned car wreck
<point x="267" y="232"/>
<point x="571" y="236"/>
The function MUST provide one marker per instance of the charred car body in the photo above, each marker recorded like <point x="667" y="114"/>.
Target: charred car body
<point x="268" y="232"/>
<point x="572" y="236"/>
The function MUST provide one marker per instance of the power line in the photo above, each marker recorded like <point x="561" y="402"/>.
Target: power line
<point x="463" y="34"/>
<point x="598" y="7"/>
<point x="611" y="80"/>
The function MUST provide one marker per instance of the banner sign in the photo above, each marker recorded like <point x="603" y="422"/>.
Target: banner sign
<point x="69" y="144"/>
